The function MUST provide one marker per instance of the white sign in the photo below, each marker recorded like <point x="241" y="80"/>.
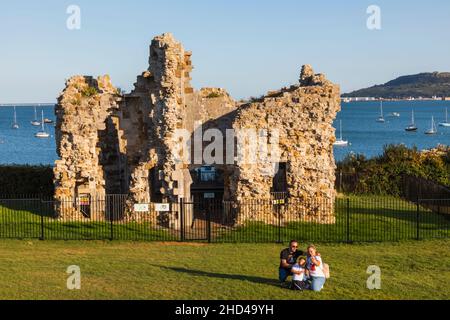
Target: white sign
<point x="141" y="207"/>
<point x="162" y="207"/>
<point x="209" y="195"/>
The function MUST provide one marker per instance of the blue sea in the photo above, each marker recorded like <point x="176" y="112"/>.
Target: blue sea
<point x="20" y="146"/>
<point x="359" y="125"/>
<point x="368" y="137"/>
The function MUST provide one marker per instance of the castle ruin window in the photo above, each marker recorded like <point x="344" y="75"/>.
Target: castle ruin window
<point x="280" y="178"/>
<point x="207" y="173"/>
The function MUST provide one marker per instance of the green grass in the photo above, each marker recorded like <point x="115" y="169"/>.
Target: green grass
<point x="22" y="220"/>
<point x="140" y="270"/>
<point x="371" y="219"/>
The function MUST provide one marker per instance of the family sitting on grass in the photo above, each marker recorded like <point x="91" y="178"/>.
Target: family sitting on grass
<point x="306" y="268"/>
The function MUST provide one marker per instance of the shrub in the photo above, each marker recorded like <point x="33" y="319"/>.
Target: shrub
<point x="257" y="99"/>
<point x="26" y="180"/>
<point x="213" y="95"/>
<point x="89" y="92"/>
<point x="383" y="174"/>
<point x="76" y="101"/>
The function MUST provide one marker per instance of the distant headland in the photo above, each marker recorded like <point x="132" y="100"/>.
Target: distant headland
<point x="435" y="85"/>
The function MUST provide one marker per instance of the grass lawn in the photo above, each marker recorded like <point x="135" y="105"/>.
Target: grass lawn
<point x="139" y="270"/>
<point x="370" y="218"/>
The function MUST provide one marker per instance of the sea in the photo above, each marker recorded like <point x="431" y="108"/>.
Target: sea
<point x="359" y="127"/>
<point x="368" y="137"/>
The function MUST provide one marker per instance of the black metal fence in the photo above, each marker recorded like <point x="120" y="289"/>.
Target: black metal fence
<point x="112" y="217"/>
<point x="420" y="188"/>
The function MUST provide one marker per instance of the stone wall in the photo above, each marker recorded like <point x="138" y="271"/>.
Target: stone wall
<point x="82" y="115"/>
<point x="128" y="144"/>
<point x="162" y="102"/>
<point x="137" y="128"/>
<point x="170" y="66"/>
<point x="303" y="116"/>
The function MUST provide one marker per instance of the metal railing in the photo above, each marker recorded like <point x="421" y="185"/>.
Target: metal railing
<point x="278" y="219"/>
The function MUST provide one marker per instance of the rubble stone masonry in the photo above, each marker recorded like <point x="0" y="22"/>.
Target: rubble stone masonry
<point x="114" y="143"/>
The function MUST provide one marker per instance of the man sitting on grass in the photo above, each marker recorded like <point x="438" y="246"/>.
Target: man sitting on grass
<point x="288" y="257"/>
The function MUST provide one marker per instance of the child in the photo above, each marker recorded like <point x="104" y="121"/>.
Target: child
<point x="299" y="276"/>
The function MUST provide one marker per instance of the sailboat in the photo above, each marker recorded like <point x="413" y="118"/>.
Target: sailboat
<point x="412" y="126"/>
<point x="340" y="142"/>
<point x="433" y="129"/>
<point x="446" y="123"/>
<point x="15" y="125"/>
<point x="35" y="122"/>
<point x="381" y="118"/>
<point x="42" y="133"/>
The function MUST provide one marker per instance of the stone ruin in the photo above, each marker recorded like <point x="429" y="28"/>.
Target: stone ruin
<point x="114" y="143"/>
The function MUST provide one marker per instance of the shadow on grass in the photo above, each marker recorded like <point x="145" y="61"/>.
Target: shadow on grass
<point x="258" y="280"/>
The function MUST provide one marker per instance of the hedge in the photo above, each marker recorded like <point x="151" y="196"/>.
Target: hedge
<point x="382" y="175"/>
<point x="26" y="180"/>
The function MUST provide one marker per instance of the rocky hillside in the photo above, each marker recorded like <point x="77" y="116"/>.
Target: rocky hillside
<point x="424" y="85"/>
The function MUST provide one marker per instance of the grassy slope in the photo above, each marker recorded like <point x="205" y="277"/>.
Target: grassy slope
<point x="116" y="270"/>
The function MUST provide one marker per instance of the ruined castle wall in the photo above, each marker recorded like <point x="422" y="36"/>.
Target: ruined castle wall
<point x="79" y="142"/>
<point x="137" y="135"/>
<point x="303" y="116"/>
<point x="209" y="109"/>
<point x="208" y="106"/>
<point x="129" y="145"/>
<point x="170" y="67"/>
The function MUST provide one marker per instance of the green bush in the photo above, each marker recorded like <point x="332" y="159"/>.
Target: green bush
<point x="214" y="95"/>
<point x="89" y="92"/>
<point x="383" y="175"/>
<point x="26" y="180"/>
<point x="257" y="99"/>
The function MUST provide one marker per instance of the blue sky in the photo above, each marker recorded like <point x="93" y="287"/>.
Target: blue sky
<point x="247" y="47"/>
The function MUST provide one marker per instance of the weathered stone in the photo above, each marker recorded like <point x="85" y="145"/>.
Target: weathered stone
<point x="82" y="114"/>
<point x="127" y="144"/>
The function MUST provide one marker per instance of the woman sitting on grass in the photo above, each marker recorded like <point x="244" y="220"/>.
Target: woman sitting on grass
<point x="315" y="267"/>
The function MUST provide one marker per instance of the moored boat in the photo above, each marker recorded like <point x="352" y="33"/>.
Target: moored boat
<point x="15" y="125"/>
<point x="42" y="134"/>
<point x="35" y="121"/>
<point x="381" y="117"/>
<point x="412" y="127"/>
<point x="433" y="129"/>
<point x="446" y="123"/>
<point x="340" y="142"/>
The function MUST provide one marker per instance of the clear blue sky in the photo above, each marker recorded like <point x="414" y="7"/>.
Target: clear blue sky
<point x="246" y="46"/>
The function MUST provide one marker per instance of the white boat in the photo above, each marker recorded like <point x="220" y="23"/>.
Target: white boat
<point x="42" y="133"/>
<point x="412" y="126"/>
<point x="340" y="142"/>
<point x="394" y="114"/>
<point x="446" y="123"/>
<point x="381" y="118"/>
<point x="433" y="129"/>
<point x="35" y="122"/>
<point x="15" y="125"/>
